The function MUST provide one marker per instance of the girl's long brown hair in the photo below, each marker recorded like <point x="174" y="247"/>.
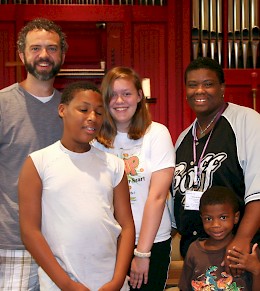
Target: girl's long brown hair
<point x="141" y="120"/>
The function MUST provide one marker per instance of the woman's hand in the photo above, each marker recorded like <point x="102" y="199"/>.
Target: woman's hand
<point x="244" y="261"/>
<point x="230" y="264"/>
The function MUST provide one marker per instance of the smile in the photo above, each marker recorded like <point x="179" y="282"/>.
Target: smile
<point x="120" y="109"/>
<point x="89" y="128"/>
<point x="43" y="64"/>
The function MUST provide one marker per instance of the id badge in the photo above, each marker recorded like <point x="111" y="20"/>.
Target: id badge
<point x="192" y="200"/>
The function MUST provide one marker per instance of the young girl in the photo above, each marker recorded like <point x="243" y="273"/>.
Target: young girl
<point x="147" y="150"/>
<point x="74" y="204"/>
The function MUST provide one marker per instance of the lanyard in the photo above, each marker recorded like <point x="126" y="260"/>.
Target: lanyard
<point x="197" y="164"/>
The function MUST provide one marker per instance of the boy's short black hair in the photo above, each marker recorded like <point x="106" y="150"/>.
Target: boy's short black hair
<point x="219" y="195"/>
<point x="70" y="90"/>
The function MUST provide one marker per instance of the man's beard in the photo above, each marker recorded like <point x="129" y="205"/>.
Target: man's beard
<point x="42" y="76"/>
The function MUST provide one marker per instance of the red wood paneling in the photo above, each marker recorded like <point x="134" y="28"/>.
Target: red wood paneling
<point x="115" y="35"/>
<point x="150" y="60"/>
<point x="86" y="44"/>
<point x="7" y="54"/>
<point x="239" y="85"/>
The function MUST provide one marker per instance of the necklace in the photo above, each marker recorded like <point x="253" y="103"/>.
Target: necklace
<point x="202" y="131"/>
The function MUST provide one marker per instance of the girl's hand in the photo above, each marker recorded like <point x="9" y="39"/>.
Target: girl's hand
<point x="139" y="272"/>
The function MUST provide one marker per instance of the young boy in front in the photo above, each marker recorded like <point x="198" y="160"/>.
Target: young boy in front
<point x="203" y="266"/>
<point x="74" y="204"/>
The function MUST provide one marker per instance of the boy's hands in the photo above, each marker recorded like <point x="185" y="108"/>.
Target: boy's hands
<point x="75" y="286"/>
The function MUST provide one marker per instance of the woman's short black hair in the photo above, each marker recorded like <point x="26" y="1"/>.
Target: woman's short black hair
<point x="205" y="63"/>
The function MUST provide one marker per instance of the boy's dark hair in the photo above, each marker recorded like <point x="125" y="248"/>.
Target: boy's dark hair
<point x="70" y="90"/>
<point x="219" y="195"/>
<point x="41" y="24"/>
<point x="205" y="63"/>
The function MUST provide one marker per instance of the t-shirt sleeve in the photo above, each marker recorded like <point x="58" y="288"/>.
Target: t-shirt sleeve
<point x="161" y="148"/>
<point x="245" y="123"/>
<point x="37" y="161"/>
<point x="119" y="169"/>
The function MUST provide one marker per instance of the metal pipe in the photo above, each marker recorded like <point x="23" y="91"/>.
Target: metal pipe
<point x="237" y="30"/>
<point x="245" y="29"/>
<point x="254" y="88"/>
<point x="195" y="14"/>
<point x="230" y="16"/>
<point x="245" y="14"/>
<point x="219" y="16"/>
<point x="204" y="15"/>
<point x="254" y="13"/>
<point x="195" y="28"/>
<point x="213" y="26"/>
<point x="255" y="30"/>
<point x="254" y="46"/>
<point x="230" y="31"/>
<point x="204" y="26"/>
<point x="219" y="29"/>
<point x="237" y="8"/>
<point x="212" y="15"/>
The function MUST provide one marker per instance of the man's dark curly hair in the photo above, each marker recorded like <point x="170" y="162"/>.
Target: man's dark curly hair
<point x="41" y="24"/>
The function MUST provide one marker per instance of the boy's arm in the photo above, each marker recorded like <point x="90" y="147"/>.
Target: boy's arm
<point x="126" y="240"/>
<point x="30" y="212"/>
<point x="247" y="262"/>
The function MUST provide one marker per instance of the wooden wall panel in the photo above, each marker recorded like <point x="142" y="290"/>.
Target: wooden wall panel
<point x="87" y="48"/>
<point x="239" y="85"/>
<point x="8" y="70"/>
<point x="115" y="35"/>
<point x="86" y="44"/>
<point x="150" y="60"/>
<point x="178" y="51"/>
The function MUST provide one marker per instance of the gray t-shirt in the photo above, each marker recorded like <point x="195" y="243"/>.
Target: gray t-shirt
<point x="26" y="125"/>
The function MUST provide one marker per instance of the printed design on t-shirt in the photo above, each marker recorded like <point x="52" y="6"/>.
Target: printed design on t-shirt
<point x="133" y="171"/>
<point x="184" y="174"/>
<point x="211" y="283"/>
<point x="131" y="168"/>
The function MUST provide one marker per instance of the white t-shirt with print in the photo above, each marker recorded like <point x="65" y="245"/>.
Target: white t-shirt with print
<point x="142" y="157"/>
